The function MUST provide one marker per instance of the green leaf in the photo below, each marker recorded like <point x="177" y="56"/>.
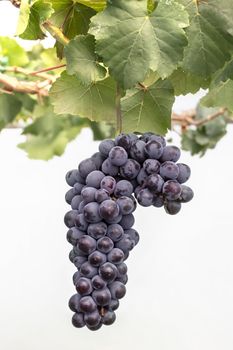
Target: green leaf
<point x="224" y="73"/>
<point x="83" y="61"/>
<point x="50" y="134"/>
<point x="10" y="107"/>
<point x="73" y="18"/>
<point x="148" y="110"/>
<point x="132" y="41"/>
<point x="209" y="46"/>
<point x="16" y="55"/>
<point x="220" y="96"/>
<point x="185" y="82"/>
<point x="225" y="8"/>
<point x="188" y="143"/>
<point x="24" y="15"/>
<point x="95" y="102"/>
<point x="40" y="11"/>
<point x="97" y="5"/>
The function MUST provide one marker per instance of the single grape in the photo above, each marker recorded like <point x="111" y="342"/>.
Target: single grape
<point x="127" y="221"/>
<point x="123" y="279"/>
<point x="184" y="173"/>
<point x="117" y="290"/>
<point x="88" y="194"/>
<point x="84" y="286"/>
<point x="105" y="146"/>
<point x="74" y="302"/>
<point x="172" y="207"/>
<point x="101" y="195"/>
<point x="122" y="269"/>
<point x="87" y="244"/>
<point x="145" y="197"/>
<point x="146" y="136"/>
<point x="169" y="170"/>
<point x="97" y="258"/>
<point x="78" y="320"/>
<point x="123" y="188"/>
<point x="98" y="282"/>
<point x="81" y="207"/>
<point x="86" y="167"/>
<point x="80" y="222"/>
<point x="97" y="230"/>
<point x="92" y="319"/>
<point x="116" y="256"/>
<point x="158" y="201"/>
<point x="74" y="176"/>
<point x="170" y="153"/>
<point x="102" y="297"/>
<point x="94" y="178"/>
<point x="109" y="209"/>
<point x="109" y="318"/>
<point x="108" y="272"/>
<point x="158" y="138"/>
<point x="87" y="304"/>
<point x="142" y="176"/>
<point x="124" y="140"/>
<point x="95" y="328"/>
<point x="98" y="158"/>
<point x="137" y="190"/>
<point x="91" y="212"/>
<point x="114" y="304"/>
<point x="154" y="149"/>
<point x="115" y="232"/>
<point x="108" y="168"/>
<point x="118" y="156"/>
<point x="76" y="200"/>
<point x="76" y="277"/>
<point x="78" y="252"/>
<point x="70" y="218"/>
<point x="86" y="270"/>
<point x="151" y="166"/>
<point x="108" y="183"/>
<point x="186" y="194"/>
<point x="78" y="187"/>
<point x="126" y="205"/>
<point x="72" y="255"/>
<point x="172" y="190"/>
<point x="155" y="183"/>
<point x="114" y="220"/>
<point x="130" y="169"/>
<point x="105" y="245"/>
<point x="125" y="244"/>
<point x="133" y="235"/>
<point x="73" y="235"/>
<point x="137" y="151"/>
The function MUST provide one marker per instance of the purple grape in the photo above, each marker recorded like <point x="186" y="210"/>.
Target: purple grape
<point x="109" y="169"/>
<point x="92" y="319"/>
<point x="97" y="258"/>
<point x="95" y="328"/>
<point x="158" y="201"/>
<point x="134" y="236"/>
<point x="91" y="212"/>
<point x="127" y="221"/>
<point x="76" y="277"/>
<point x="80" y="222"/>
<point x="74" y="176"/>
<point x="122" y="269"/>
<point x="184" y="173"/>
<point x="97" y="230"/>
<point x="151" y="166"/>
<point x="145" y="197"/>
<point x="79" y="260"/>
<point x="158" y="138"/>
<point x="117" y="290"/>
<point x="108" y="272"/>
<point x="108" y="183"/>
<point x="98" y="282"/>
<point x="109" y="209"/>
<point x="98" y="158"/>
<point x="142" y="176"/>
<point x="70" y="194"/>
<point x="116" y="256"/>
<point x="114" y="304"/>
<point x="86" y="270"/>
<point x="70" y="218"/>
<point x="172" y="190"/>
<point x="126" y="205"/>
<point x="154" y="149"/>
<point x="170" y="153"/>
<point x="123" y="279"/>
<point x="88" y="194"/>
<point x="94" y="178"/>
<point x="78" y="187"/>
<point x="123" y="188"/>
<point x="169" y="170"/>
<point x="105" y="245"/>
<point x="102" y="297"/>
<point x="76" y="200"/>
<point x="105" y="146"/>
<point x="101" y="195"/>
<point x="130" y="169"/>
<point x="186" y="194"/>
<point x="78" y="320"/>
<point x="86" y="167"/>
<point x="73" y="235"/>
<point x="137" y="151"/>
<point x="74" y="302"/>
<point x="115" y="232"/>
<point x="172" y="207"/>
<point x="118" y="156"/>
<point x="114" y="220"/>
<point x="84" y="286"/>
<point x="109" y="318"/>
<point x="155" y="183"/>
<point x="87" y="244"/>
<point x="87" y="304"/>
<point x="125" y="244"/>
<point x="124" y="140"/>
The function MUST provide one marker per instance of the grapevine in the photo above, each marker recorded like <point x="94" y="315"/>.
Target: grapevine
<point x="104" y="191"/>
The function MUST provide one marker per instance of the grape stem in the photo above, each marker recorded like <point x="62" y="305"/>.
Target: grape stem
<point x="56" y="33"/>
<point x="118" y="109"/>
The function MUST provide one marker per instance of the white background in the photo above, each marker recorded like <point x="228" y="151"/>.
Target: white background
<point x="179" y="294"/>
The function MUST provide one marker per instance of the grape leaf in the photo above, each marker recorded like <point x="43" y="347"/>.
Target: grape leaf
<point x="95" y="102"/>
<point x="224" y="73"/>
<point x="185" y="82"/>
<point x="49" y="135"/>
<point x="83" y="61"/>
<point x="24" y="15"/>
<point x="209" y="46"/>
<point x="97" y="5"/>
<point x="10" y="107"/>
<point x="148" y="109"/>
<point x="225" y="8"/>
<point x="40" y="11"/>
<point x="132" y="41"/>
<point x="16" y="55"/>
<point x="220" y="95"/>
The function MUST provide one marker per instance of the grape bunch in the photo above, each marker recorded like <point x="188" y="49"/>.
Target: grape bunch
<point x="104" y="193"/>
